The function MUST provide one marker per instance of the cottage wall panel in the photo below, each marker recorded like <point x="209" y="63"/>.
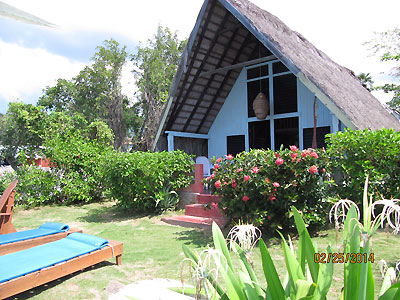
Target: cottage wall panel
<point x="306" y="109"/>
<point x="231" y="119"/>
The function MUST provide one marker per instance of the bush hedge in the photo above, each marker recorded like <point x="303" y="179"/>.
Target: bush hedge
<point x="356" y="154"/>
<point x="260" y="186"/>
<point x="145" y="181"/>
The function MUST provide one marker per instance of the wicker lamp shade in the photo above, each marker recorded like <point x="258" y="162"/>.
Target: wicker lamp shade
<point x="261" y="106"/>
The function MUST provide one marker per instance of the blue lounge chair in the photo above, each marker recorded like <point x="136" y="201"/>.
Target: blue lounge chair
<point x="26" y="269"/>
<point x="20" y="240"/>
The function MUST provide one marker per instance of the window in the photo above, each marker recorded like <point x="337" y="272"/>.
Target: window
<point x="235" y="144"/>
<point x="286" y="132"/>
<point x="253" y="88"/>
<point x="308" y="134"/>
<point x="260" y="135"/>
<point x="285" y="94"/>
<point x="274" y="79"/>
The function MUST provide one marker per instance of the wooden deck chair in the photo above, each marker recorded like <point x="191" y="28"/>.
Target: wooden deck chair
<point x="6" y="209"/>
<point x="21" y="240"/>
<point x="26" y="269"/>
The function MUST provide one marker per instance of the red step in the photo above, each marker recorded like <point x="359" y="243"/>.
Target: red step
<point x="200" y="210"/>
<point x="194" y="222"/>
<point x="207" y="198"/>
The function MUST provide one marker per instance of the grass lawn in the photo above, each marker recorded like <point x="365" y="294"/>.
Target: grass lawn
<point x="152" y="249"/>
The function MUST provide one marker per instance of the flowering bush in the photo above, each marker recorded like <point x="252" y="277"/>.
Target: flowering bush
<point x="260" y="186"/>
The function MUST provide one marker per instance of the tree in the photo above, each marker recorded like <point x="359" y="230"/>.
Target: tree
<point x="387" y="46"/>
<point x="96" y="92"/>
<point x="366" y="80"/>
<point x="22" y="128"/>
<point x="155" y="66"/>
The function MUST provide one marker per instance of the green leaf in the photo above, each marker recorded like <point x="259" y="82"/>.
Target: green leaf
<point x="271" y="275"/>
<point x="249" y="270"/>
<point x="352" y="245"/>
<point x="325" y="277"/>
<point x="393" y="293"/>
<point x="302" y="287"/>
<point x="292" y="265"/>
<point x="387" y="280"/>
<point x="308" y="248"/>
<point x="220" y="244"/>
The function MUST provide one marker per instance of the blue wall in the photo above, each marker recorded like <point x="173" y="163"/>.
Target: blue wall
<point x="232" y="118"/>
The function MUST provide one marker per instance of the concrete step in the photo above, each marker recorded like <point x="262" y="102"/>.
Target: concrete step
<point x="207" y="198"/>
<point x="194" y="222"/>
<point x="200" y="210"/>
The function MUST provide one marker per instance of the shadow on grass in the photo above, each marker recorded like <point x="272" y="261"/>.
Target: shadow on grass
<point x="38" y="290"/>
<point x="109" y="215"/>
<point x="194" y="238"/>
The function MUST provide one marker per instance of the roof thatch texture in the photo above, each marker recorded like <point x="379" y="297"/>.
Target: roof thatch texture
<point x="228" y="32"/>
<point x="338" y="83"/>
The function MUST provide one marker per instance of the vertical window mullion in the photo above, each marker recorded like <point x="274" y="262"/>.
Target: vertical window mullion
<point x="271" y="106"/>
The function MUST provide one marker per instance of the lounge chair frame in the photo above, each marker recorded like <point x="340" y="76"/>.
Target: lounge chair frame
<point x="45" y="275"/>
<point x="7" y="208"/>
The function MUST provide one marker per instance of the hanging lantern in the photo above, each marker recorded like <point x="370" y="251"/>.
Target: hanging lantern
<point x="261" y="106"/>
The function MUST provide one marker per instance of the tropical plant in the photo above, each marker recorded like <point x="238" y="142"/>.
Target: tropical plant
<point x="309" y="273"/>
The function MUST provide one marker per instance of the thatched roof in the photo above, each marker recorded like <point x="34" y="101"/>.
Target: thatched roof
<point x="229" y="32"/>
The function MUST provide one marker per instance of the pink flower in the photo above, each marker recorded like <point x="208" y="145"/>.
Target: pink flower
<point x="212" y="176"/>
<point x="267" y="180"/>
<point x="314" y="154"/>
<point x="298" y="160"/>
<point x="272" y="198"/>
<point x="305" y="153"/>
<point x="216" y="166"/>
<point x="294" y="155"/>
<point x="214" y="205"/>
<point x="313" y="169"/>
<point x="217" y="184"/>
<point x="255" y="170"/>
<point x="269" y="218"/>
<point x="323" y="170"/>
<point x="277" y="154"/>
<point x="245" y="198"/>
<point x="279" y="161"/>
<point x="218" y="160"/>
<point x="229" y="157"/>
<point x="225" y="183"/>
<point x="239" y="170"/>
<point x="293" y="148"/>
<point x="234" y="184"/>
<point x="208" y="178"/>
<point x="276" y="184"/>
<point x="246" y="177"/>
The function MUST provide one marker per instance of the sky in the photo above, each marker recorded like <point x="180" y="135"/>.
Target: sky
<point x="33" y="57"/>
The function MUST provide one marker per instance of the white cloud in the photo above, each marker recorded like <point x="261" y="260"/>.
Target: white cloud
<point x="27" y="71"/>
<point x="135" y="19"/>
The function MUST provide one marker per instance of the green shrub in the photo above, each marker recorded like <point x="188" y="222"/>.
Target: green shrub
<point x="356" y="154"/>
<point x="35" y="186"/>
<point x="75" y="163"/>
<point x="260" y="186"/>
<point x="145" y="181"/>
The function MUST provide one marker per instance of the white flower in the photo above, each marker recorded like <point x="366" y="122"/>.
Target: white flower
<point x="245" y="235"/>
<point x="339" y="211"/>
<point x="390" y="212"/>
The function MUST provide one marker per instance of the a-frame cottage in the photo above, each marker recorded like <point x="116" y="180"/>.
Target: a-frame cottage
<point x="237" y="51"/>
